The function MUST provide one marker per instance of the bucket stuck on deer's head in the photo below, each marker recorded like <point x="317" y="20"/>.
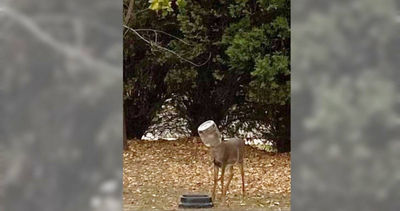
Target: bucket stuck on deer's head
<point x="209" y="133"/>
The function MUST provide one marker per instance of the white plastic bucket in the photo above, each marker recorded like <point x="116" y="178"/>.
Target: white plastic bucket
<point x="209" y="133"/>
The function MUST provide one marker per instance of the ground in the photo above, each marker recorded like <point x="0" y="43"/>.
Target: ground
<point x="157" y="173"/>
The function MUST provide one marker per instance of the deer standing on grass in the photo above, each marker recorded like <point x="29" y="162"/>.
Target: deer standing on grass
<point x="225" y="154"/>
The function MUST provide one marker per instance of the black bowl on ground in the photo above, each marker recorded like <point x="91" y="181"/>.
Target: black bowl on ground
<point x="195" y="201"/>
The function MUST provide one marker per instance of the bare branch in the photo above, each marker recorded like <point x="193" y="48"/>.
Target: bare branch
<point x="166" y="49"/>
<point x="163" y="32"/>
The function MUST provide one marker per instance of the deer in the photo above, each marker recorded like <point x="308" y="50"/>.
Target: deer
<point x="225" y="154"/>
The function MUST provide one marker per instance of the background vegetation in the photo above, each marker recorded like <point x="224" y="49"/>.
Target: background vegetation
<point x="228" y="61"/>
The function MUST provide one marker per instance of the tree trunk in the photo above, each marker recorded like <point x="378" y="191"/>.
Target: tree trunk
<point x="283" y="145"/>
<point x="283" y="127"/>
<point x="129" y="12"/>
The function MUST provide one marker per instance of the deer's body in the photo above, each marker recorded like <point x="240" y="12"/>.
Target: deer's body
<point x="226" y="154"/>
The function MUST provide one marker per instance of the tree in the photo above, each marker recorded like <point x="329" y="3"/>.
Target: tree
<point x="145" y="67"/>
<point x="208" y="91"/>
<point x="259" y="44"/>
<point x="249" y="70"/>
<point x="230" y="64"/>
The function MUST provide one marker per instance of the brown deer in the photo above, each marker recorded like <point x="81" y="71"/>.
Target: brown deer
<point x="225" y="154"/>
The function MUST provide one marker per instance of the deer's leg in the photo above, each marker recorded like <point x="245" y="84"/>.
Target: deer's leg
<point x="222" y="182"/>
<point x="229" y="179"/>
<point x="242" y="173"/>
<point x="216" y="170"/>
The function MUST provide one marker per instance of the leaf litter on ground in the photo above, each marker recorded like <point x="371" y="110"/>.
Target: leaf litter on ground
<point x="157" y="173"/>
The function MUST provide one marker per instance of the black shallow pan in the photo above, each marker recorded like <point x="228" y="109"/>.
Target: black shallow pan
<point x="195" y="201"/>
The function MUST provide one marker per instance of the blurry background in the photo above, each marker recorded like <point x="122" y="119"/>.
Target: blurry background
<point x="61" y="105"/>
<point x="345" y="105"/>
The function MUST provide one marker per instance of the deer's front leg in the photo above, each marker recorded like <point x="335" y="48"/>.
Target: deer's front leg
<point x="215" y="181"/>
<point x="222" y="182"/>
<point x="229" y="179"/>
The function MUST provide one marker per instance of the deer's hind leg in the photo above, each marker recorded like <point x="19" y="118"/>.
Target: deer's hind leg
<point x="242" y="174"/>
<point x="229" y="179"/>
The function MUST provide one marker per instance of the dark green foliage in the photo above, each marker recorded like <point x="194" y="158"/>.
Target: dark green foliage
<point x="205" y="92"/>
<point x="259" y="44"/>
<point x="245" y="80"/>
